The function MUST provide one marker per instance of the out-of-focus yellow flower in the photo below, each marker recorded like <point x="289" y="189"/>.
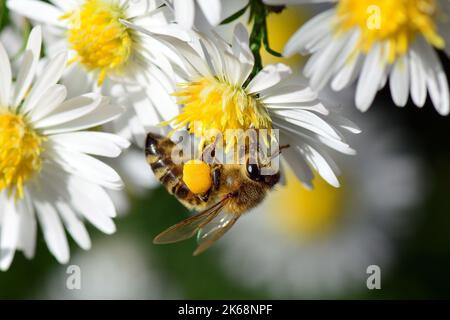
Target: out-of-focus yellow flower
<point x="306" y="214"/>
<point x="281" y="26"/>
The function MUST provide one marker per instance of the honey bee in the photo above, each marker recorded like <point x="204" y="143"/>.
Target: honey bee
<point x="235" y="189"/>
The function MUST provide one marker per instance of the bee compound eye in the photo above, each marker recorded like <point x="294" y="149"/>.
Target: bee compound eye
<point x="253" y="171"/>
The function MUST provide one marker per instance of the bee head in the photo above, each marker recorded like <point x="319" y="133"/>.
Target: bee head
<point x="268" y="177"/>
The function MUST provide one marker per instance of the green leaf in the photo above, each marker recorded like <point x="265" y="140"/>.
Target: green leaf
<point x="235" y="16"/>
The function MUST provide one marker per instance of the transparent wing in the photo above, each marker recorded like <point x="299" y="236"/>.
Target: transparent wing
<point x="189" y="227"/>
<point x="214" y="230"/>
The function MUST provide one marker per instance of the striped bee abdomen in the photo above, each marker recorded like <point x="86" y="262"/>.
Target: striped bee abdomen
<point x="158" y="150"/>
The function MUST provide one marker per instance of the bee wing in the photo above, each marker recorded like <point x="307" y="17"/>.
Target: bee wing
<point x="214" y="230"/>
<point x="190" y="226"/>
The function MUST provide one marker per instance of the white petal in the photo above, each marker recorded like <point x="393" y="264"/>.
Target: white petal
<point x="297" y="162"/>
<point x="269" y="77"/>
<point x="242" y="51"/>
<point x="370" y="77"/>
<point x="84" y="198"/>
<point x="6" y="258"/>
<point x="155" y="89"/>
<point x="298" y="131"/>
<point x="88" y="167"/>
<point x="137" y="8"/>
<point x="437" y="82"/>
<point x="69" y="111"/>
<point x="315" y="106"/>
<point x="52" y="73"/>
<point x="184" y="53"/>
<point x="184" y="12"/>
<point x="101" y="115"/>
<point x="56" y="181"/>
<point x="10" y="231"/>
<point x="241" y="43"/>
<point x="65" y="5"/>
<point x="324" y="62"/>
<point x="28" y="227"/>
<point x="311" y="31"/>
<point x="294" y="2"/>
<point x="37" y="10"/>
<point x="307" y="120"/>
<point x="28" y="66"/>
<point x="74" y="225"/>
<point x="49" y="101"/>
<point x="337" y="120"/>
<point x="92" y="209"/>
<point x="95" y="143"/>
<point x="347" y="74"/>
<point x="212" y="10"/>
<point x="52" y="229"/>
<point x="233" y="69"/>
<point x="399" y="81"/>
<point x="289" y="94"/>
<point x="417" y="76"/>
<point x="320" y="164"/>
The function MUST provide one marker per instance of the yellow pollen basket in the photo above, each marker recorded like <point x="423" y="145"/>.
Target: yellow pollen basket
<point x="211" y="104"/>
<point x="20" y="153"/>
<point x="397" y="22"/>
<point x="197" y="176"/>
<point x="102" y="43"/>
<point x="303" y="214"/>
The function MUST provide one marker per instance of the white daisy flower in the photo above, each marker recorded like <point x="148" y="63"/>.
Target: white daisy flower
<point x="320" y="244"/>
<point x="47" y="173"/>
<point x="187" y="11"/>
<point x="217" y="92"/>
<point x="106" y="55"/>
<point x="373" y="42"/>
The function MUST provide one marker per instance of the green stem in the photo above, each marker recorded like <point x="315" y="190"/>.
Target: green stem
<point x="258" y="15"/>
<point x="259" y="35"/>
<point x="3" y="14"/>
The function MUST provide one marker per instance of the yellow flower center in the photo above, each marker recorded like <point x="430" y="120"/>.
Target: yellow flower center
<point x="303" y="214"/>
<point x="197" y="176"/>
<point x="20" y="152"/>
<point x="102" y="43"/>
<point x="212" y="104"/>
<point x="396" y="21"/>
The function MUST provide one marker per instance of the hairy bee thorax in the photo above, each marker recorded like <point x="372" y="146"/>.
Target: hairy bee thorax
<point x="247" y="193"/>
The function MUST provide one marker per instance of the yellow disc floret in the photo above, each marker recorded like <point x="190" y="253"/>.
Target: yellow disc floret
<point x="20" y="152"/>
<point x="101" y="41"/>
<point x="197" y="176"/>
<point x="210" y="103"/>
<point x="397" y="22"/>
